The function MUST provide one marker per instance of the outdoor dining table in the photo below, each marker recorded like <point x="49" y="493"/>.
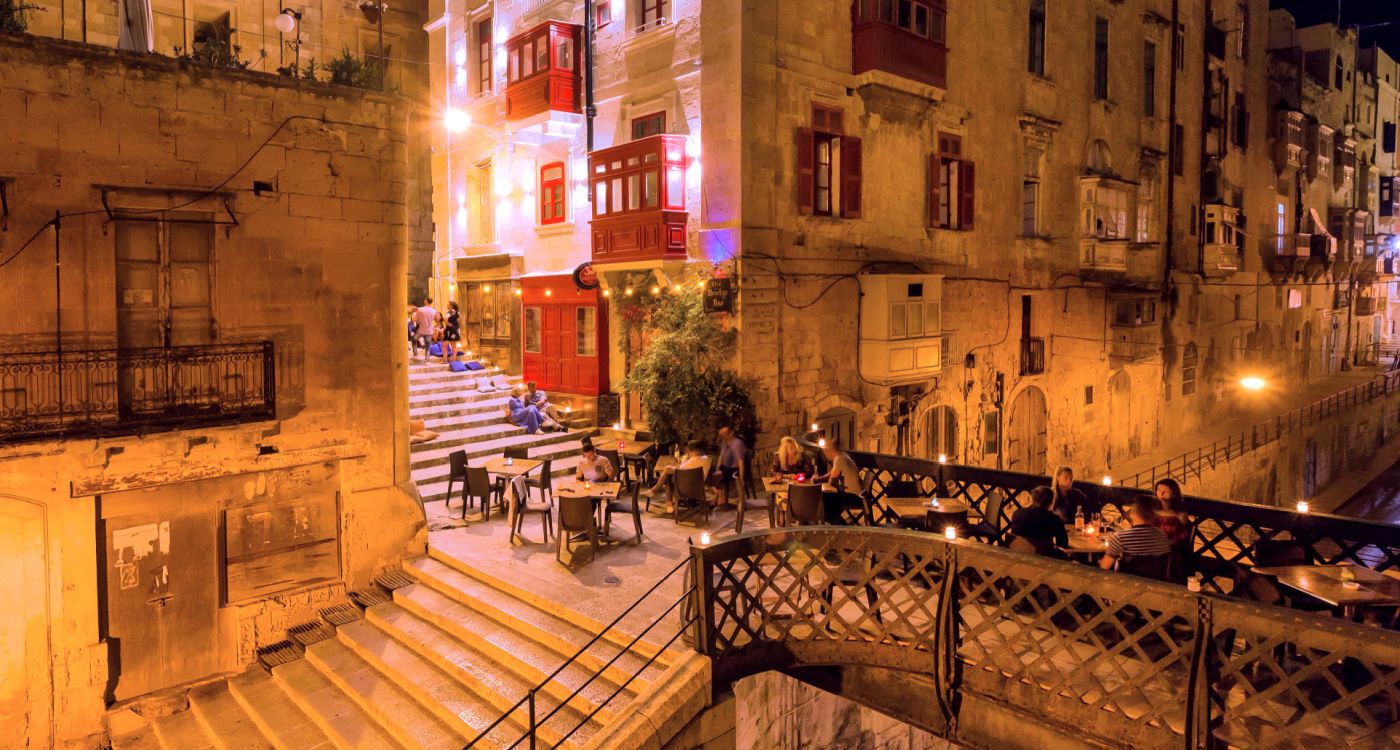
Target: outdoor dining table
<point x="1324" y="583"/>
<point x="630" y="452"/>
<point x="599" y="492"/>
<point x="516" y="467"/>
<point x="1082" y="545"/>
<point x="922" y="513"/>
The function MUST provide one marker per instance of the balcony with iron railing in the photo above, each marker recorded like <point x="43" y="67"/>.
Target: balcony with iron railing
<point x="111" y="392"/>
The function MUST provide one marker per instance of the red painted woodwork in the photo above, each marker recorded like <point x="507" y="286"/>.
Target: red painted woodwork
<point x="638" y="191"/>
<point x="556" y="363"/>
<point x="882" y="44"/>
<point x="542" y="70"/>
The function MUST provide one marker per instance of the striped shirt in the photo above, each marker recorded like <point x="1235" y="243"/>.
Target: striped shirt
<point x="1139" y="541"/>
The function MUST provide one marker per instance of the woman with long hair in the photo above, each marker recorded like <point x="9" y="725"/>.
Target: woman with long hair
<point x="790" y="459"/>
<point x="451" y="331"/>
<point x="1171" y="519"/>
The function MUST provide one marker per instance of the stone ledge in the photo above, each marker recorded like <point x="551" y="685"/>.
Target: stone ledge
<point x="655" y="717"/>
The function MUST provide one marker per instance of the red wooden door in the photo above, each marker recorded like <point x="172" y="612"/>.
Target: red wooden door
<point x="568" y="358"/>
<point x="553" y="345"/>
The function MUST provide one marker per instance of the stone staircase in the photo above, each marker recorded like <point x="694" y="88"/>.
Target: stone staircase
<point x="426" y="668"/>
<point x="473" y="422"/>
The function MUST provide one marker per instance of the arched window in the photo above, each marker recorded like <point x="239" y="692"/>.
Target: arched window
<point x="1035" y="49"/>
<point x="1189" y="360"/>
<point x="552" y="193"/>
<point x="941" y="433"/>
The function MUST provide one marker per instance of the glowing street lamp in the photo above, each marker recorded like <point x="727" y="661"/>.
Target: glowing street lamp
<point x="1107" y="480"/>
<point x="1253" y="383"/>
<point x="456" y="121"/>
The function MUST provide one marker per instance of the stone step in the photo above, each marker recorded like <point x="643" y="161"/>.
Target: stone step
<point x="285" y="725"/>
<point x="528" y="660"/>
<point x="458" y="383"/>
<point x="465" y="421"/>
<point x="437" y="471"/>
<point x="225" y="720"/>
<point x="486" y="448"/>
<point x="458" y="407"/>
<point x="483" y="677"/>
<point x="182" y="731"/>
<point x="559" y="633"/>
<point x="433" y="487"/>
<point x="138" y="739"/>
<point x="462" y="711"/>
<point x="409" y="723"/>
<point x="457" y="398"/>
<point x="421" y="374"/>
<point x="480" y="432"/>
<point x="343" y="721"/>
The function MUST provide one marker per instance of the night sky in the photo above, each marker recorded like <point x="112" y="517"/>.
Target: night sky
<point x="1354" y="12"/>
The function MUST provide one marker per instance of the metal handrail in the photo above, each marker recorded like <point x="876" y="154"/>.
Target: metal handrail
<point x="529" y="698"/>
<point x="1227" y="449"/>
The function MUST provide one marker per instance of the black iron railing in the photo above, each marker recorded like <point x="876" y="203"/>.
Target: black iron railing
<point x="105" y="392"/>
<point x="1032" y="356"/>
<point x="550" y="726"/>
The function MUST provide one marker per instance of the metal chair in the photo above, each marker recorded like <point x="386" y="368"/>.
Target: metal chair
<point x="622" y="505"/>
<point x="456" y="471"/>
<point x="479" y="486"/>
<point x="690" y="494"/>
<point x="576" y="517"/>
<point x="805" y="505"/>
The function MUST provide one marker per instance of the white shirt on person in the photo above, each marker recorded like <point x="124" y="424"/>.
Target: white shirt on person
<point x="701" y="462"/>
<point x="845" y="468"/>
<point x="426" y="319"/>
<point x="596" y="470"/>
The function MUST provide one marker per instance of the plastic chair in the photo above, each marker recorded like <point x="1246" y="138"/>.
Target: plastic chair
<point x="543" y="481"/>
<point x="457" y="471"/>
<point x="623" y="506"/>
<point x="523" y="507"/>
<point x="615" y="462"/>
<point x="805" y="504"/>
<point x="479" y="486"/>
<point x="576" y="517"/>
<point x="690" y="494"/>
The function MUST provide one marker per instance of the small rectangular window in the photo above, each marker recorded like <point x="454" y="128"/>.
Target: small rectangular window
<point x="648" y="125"/>
<point x="1030" y="196"/>
<point x="1035" y="59"/>
<point x="651" y="196"/>
<point x="602" y="13"/>
<point x="484" y="52"/>
<point x="586" y="332"/>
<point x="1149" y="79"/>
<point x="634" y="194"/>
<point x="532" y="330"/>
<point x="1100" y="58"/>
<point x="675" y="187"/>
<point x="541" y="54"/>
<point x="564" y="53"/>
<point x="615" y="188"/>
<point x="600" y="198"/>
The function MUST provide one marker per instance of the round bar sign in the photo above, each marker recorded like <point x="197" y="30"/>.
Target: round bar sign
<point x="585" y="277"/>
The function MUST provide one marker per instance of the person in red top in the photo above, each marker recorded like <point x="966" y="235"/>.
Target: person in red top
<point x="1170" y="518"/>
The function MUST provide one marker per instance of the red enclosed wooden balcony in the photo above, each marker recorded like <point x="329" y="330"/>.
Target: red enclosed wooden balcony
<point x="903" y="37"/>
<point x="542" y="70"/>
<point x="638" y="191"/>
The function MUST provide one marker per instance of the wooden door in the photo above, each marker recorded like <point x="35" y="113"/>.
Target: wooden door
<point x="26" y="689"/>
<point x="1120" y="418"/>
<point x="553" y="342"/>
<point x="1026" y="440"/>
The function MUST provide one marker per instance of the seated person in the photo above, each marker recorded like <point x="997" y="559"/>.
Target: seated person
<point x="1170" y="518"/>
<point x="791" y="460"/>
<point x="593" y="467"/>
<point x="1141" y="540"/>
<point x="540" y="400"/>
<point x="1069" y="501"/>
<point x="1039" y="525"/>
<point x="844" y="477"/>
<point x="524" y="415"/>
<point x="695" y="458"/>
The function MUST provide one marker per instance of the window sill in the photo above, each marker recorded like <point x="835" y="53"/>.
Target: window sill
<point x="1040" y="79"/>
<point x="551" y="230"/>
<point x="640" y="40"/>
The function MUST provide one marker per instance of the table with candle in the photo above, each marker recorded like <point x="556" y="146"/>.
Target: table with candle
<point x="512" y="467"/>
<point x="931" y="513"/>
<point x="1089" y="542"/>
<point x="599" y="492"/>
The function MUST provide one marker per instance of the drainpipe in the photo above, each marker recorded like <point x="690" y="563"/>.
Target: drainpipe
<point x="589" y="111"/>
<point x="1173" y="157"/>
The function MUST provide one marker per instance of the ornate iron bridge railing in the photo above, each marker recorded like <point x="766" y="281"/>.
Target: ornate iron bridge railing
<point x="99" y="392"/>
<point x="1225" y="532"/>
<point x="1125" y="661"/>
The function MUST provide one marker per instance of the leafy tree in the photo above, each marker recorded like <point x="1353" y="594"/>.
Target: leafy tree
<point x="12" y="20"/>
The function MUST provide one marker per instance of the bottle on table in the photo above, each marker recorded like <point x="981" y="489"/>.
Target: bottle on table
<point x="1079" y="520"/>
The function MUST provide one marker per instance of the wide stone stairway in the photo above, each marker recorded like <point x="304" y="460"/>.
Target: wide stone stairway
<point x="475" y="422"/>
<point x="429" y="666"/>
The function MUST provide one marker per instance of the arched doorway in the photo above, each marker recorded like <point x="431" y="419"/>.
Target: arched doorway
<point x="26" y="689"/>
<point x="1120" y="417"/>
<point x="839" y="423"/>
<point x="1026" y="439"/>
<point x="938" y="433"/>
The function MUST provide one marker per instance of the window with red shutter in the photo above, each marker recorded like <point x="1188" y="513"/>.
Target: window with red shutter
<point x="850" y="177"/>
<point x="966" y="191"/>
<point x="552" y="193"/>
<point x="806" y="152"/>
<point x="951" y="185"/>
<point x="828" y="166"/>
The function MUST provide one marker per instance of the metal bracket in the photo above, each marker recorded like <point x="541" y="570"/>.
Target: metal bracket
<point x="154" y="215"/>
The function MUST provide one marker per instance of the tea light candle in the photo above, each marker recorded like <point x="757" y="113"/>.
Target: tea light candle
<point x="568" y="409"/>
<point x="509" y="461"/>
<point x="951" y="532"/>
<point x="704" y="538"/>
<point x="821" y="443"/>
<point x="1302" y="506"/>
<point x="1107" y="480"/>
<point x="617" y="425"/>
<point x="815" y="427"/>
<point x="933" y="503"/>
<point x="942" y="458"/>
<point x="587" y="485"/>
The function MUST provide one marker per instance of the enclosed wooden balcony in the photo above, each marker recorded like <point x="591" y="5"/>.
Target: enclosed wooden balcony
<point x="639" y="211"/>
<point x="542" y="71"/>
<point x="905" y="38"/>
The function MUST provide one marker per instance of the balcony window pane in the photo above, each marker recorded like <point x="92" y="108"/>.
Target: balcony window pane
<point x="675" y="188"/>
<point x="586" y="328"/>
<point x="564" y="54"/>
<point x="600" y="198"/>
<point x="887" y="11"/>
<point x="527" y="59"/>
<point x="541" y="55"/>
<point x="634" y="198"/>
<point x="616" y="189"/>
<point x="899" y="327"/>
<point x="914" y="318"/>
<point x="650" y="183"/>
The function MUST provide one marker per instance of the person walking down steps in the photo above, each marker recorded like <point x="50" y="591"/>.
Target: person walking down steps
<point x="426" y="317"/>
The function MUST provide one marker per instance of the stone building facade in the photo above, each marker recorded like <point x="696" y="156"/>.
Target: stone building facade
<point x="202" y="387"/>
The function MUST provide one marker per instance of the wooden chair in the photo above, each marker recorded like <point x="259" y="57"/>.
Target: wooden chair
<point x="457" y="471"/>
<point x="690" y="494"/>
<point x="622" y="505"/>
<point x="805" y="505"/>
<point x="576" y="517"/>
<point x="746" y="493"/>
<point x="479" y="486"/>
<point x="523" y="507"/>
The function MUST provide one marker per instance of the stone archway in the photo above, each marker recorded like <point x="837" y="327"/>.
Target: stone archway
<point x="1026" y="428"/>
<point x="937" y="433"/>
<point x="26" y="686"/>
<point x="1120" y="418"/>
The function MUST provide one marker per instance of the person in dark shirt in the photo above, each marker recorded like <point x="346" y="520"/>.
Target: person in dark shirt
<point x="1037" y="524"/>
<point x="1068" y="500"/>
<point x="733" y="452"/>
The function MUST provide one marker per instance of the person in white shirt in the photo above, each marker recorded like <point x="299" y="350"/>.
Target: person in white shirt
<point x="593" y="467"/>
<point x="843" y="474"/>
<point x="426" y="318"/>
<point x="695" y="458"/>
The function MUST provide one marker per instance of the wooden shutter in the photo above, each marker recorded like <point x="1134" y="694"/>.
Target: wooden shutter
<point x="967" y="189"/>
<point x="850" y="177"/>
<point x="933" y="165"/>
<point x="806" y="182"/>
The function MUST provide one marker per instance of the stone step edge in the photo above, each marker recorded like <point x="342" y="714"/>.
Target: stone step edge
<point x="203" y="714"/>
<point x="616" y="638"/>
<point x="256" y="716"/>
<point x="327" y="726"/>
<point x="510" y="662"/>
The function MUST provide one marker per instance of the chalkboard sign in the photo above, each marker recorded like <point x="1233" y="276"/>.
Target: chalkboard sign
<point x="719" y="295"/>
<point x="609" y="409"/>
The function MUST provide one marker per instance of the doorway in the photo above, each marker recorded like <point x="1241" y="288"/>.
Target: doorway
<point x="1026" y="439"/>
<point x="938" y="433"/>
<point x="26" y="688"/>
<point x="1310" y="469"/>
<point x="1120" y="418"/>
<point x="1307" y="352"/>
<point x="164" y="291"/>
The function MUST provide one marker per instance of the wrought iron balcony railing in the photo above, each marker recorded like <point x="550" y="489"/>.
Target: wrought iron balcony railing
<point x="1032" y="356"/>
<point x="104" y="392"/>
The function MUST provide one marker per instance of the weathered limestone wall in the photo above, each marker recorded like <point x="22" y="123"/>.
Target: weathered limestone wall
<point x="780" y="712"/>
<point x="317" y="265"/>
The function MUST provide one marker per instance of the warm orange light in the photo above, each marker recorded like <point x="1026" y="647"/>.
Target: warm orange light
<point x="485" y="287"/>
<point x="1107" y="480"/>
<point x="518" y="291"/>
<point x="1253" y="383"/>
<point x="607" y="292"/>
<point x="549" y="292"/>
<point x="655" y="291"/>
<point x="951" y="532"/>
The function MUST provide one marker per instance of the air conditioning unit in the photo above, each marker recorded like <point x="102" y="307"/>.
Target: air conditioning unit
<point x="901" y="327"/>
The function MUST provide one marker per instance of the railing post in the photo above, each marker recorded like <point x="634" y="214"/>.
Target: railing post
<point x="702" y="600"/>
<point x="269" y="378"/>
<point x="532" y="718"/>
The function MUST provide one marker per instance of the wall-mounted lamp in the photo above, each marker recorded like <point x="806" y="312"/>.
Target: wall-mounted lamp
<point x="288" y="20"/>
